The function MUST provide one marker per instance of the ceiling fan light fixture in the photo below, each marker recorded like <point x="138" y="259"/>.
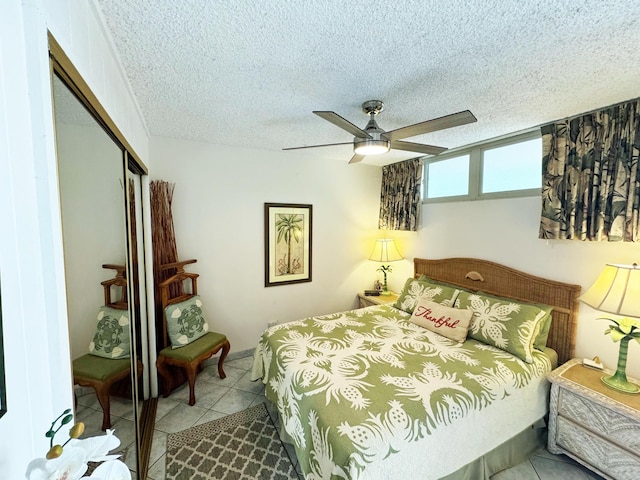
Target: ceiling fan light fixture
<point x="370" y="146"/>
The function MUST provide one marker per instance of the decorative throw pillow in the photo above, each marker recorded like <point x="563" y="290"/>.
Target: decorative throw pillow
<point x="414" y="289"/>
<point x="503" y="323"/>
<point x="185" y="321"/>
<point x="449" y="322"/>
<point x="111" y="339"/>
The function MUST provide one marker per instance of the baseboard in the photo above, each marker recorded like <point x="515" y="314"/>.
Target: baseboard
<point x="231" y="356"/>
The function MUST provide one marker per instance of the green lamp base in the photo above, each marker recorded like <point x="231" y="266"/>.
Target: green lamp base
<point x="622" y="385"/>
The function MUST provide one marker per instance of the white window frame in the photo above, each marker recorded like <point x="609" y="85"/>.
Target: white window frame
<point x="475" y="153"/>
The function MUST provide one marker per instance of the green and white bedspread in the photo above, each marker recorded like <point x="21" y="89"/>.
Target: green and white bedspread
<point x="366" y="394"/>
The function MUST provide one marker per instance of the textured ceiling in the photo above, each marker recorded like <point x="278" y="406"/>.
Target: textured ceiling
<point x="249" y="73"/>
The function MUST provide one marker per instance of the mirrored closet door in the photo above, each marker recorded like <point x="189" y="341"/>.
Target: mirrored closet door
<point x="103" y="240"/>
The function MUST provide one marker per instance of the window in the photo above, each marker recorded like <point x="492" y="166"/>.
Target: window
<point x="449" y="177"/>
<point x="506" y="168"/>
<point x="517" y="166"/>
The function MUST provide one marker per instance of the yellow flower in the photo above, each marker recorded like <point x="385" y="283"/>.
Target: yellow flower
<point x="623" y="328"/>
<point x="626" y="325"/>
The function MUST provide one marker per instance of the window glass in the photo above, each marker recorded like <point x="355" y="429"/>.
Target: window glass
<point x="512" y="167"/>
<point x="448" y="178"/>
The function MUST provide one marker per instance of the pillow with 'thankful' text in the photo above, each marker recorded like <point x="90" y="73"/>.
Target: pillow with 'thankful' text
<point x="449" y="322"/>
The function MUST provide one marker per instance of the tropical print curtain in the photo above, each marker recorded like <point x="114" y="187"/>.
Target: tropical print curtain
<point x="591" y="180"/>
<point x="400" y="195"/>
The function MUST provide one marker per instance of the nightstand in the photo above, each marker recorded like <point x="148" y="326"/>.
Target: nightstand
<point x="593" y="424"/>
<point x="367" y="301"/>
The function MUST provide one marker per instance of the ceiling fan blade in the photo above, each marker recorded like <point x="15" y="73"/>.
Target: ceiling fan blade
<point x="417" y="147"/>
<point x="356" y="158"/>
<point x="315" y="146"/>
<point x="448" y="121"/>
<point x="343" y="123"/>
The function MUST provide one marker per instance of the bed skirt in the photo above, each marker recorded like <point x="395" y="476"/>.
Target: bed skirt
<point x="511" y="453"/>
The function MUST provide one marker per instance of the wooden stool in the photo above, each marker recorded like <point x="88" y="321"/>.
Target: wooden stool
<point x="100" y="374"/>
<point x="191" y="356"/>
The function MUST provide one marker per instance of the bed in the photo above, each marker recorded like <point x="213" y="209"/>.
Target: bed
<point x="371" y="394"/>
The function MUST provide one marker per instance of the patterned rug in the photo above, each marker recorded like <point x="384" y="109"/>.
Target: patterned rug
<point x="242" y="446"/>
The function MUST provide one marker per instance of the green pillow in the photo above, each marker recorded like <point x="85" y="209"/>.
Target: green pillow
<point x="415" y="289"/>
<point x="111" y="339"/>
<point x="185" y="321"/>
<point x="424" y="278"/>
<point x="540" y="341"/>
<point x="503" y="323"/>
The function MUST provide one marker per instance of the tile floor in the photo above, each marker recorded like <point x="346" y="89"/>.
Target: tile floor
<point x="217" y="398"/>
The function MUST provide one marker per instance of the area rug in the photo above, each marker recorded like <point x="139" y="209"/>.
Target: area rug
<point x="242" y="446"/>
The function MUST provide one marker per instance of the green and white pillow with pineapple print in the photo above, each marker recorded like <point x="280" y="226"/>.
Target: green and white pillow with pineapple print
<point x="415" y="289"/>
<point x="111" y="339"/>
<point x="185" y="321"/>
<point x="503" y="323"/>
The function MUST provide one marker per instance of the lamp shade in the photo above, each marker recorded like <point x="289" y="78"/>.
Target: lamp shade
<point x="385" y="251"/>
<point x="617" y="290"/>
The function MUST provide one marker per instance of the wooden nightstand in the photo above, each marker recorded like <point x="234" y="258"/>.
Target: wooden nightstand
<point x="367" y="301"/>
<point x="593" y="424"/>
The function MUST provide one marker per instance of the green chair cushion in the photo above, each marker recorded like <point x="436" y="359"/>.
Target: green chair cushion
<point x="100" y="368"/>
<point x="189" y="352"/>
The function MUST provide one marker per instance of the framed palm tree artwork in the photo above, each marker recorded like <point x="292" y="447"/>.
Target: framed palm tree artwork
<point x="287" y="243"/>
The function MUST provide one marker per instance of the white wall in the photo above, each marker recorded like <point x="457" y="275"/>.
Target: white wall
<point x="506" y="231"/>
<point x="218" y="210"/>
<point x="31" y="261"/>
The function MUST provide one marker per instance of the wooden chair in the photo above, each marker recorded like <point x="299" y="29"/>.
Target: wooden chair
<point x="101" y="373"/>
<point x="191" y="356"/>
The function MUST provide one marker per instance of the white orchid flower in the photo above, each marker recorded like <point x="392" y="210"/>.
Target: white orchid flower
<point x="71" y="465"/>
<point x="111" y="470"/>
<point x="98" y="447"/>
<point x="68" y="461"/>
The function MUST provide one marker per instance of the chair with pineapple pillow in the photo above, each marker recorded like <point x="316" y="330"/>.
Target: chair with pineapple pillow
<point x="109" y="358"/>
<point x="187" y="339"/>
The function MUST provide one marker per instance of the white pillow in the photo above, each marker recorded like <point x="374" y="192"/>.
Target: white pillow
<point x="449" y="322"/>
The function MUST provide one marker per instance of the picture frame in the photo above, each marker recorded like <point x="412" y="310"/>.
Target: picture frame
<point x="287" y="243"/>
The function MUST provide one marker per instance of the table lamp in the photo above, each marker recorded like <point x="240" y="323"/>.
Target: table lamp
<point x="385" y="251"/>
<point x="617" y="291"/>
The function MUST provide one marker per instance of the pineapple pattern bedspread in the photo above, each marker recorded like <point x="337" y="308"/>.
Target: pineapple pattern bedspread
<point x="353" y="387"/>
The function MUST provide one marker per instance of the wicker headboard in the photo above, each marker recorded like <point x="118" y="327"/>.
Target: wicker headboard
<point x="495" y="279"/>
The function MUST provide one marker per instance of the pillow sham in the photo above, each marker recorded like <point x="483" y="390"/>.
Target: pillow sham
<point x="111" y="339"/>
<point x="414" y="289"/>
<point x="542" y="335"/>
<point x="185" y="321"/>
<point x="449" y="322"/>
<point x="503" y="323"/>
<point x="540" y="342"/>
<point x="424" y="278"/>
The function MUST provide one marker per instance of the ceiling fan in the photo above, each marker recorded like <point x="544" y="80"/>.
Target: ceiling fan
<point x="374" y="141"/>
